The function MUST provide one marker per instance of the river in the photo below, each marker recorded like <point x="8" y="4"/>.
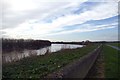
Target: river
<point x="17" y="55"/>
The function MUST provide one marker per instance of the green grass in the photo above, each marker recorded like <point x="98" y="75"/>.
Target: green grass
<point x="111" y="62"/>
<point x="115" y="44"/>
<point x="40" y="66"/>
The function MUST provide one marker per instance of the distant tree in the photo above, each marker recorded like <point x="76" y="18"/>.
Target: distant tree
<point x="87" y="42"/>
<point x="18" y="44"/>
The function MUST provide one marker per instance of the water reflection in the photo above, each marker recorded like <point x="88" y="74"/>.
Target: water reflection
<point x="17" y="55"/>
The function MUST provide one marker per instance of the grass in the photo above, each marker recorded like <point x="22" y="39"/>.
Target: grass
<point x="40" y="66"/>
<point x="115" y="44"/>
<point x="111" y="62"/>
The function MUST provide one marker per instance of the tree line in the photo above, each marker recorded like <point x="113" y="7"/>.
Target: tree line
<point x="18" y="44"/>
<point x="79" y="43"/>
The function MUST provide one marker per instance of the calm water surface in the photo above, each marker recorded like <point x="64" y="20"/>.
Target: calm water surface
<point x="17" y="55"/>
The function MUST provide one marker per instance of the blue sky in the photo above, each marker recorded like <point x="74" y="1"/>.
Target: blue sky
<point x="60" y="21"/>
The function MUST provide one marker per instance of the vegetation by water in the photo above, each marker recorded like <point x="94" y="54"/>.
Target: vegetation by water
<point x="40" y="66"/>
<point x="18" y="44"/>
<point x="111" y="62"/>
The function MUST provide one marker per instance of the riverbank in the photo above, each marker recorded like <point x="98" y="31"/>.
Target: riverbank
<point x="40" y="66"/>
<point x="17" y="55"/>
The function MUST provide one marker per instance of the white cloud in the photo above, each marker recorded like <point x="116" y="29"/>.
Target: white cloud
<point x="16" y="12"/>
<point x="20" y="5"/>
<point x="25" y="18"/>
<point x="88" y="28"/>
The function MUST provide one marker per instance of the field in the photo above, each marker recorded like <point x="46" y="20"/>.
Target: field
<point x="40" y="66"/>
<point x="111" y="62"/>
<point x="115" y="44"/>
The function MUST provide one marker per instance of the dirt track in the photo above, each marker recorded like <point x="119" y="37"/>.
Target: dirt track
<point x="97" y="70"/>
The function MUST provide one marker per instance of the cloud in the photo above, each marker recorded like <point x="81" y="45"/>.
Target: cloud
<point x="88" y="28"/>
<point x="16" y="12"/>
<point x="34" y="19"/>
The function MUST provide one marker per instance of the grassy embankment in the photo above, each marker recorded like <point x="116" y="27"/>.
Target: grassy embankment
<point x="111" y="62"/>
<point x="40" y="66"/>
<point x="115" y="44"/>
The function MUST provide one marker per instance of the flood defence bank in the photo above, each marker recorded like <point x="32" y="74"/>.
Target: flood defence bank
<point x="79" y="68"/>
<point x="41" y="66"/>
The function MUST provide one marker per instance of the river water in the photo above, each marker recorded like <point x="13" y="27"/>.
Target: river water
<point x="17" y="55"/>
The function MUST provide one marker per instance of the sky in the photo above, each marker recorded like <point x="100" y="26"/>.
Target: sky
<point x="57" y="20"/>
